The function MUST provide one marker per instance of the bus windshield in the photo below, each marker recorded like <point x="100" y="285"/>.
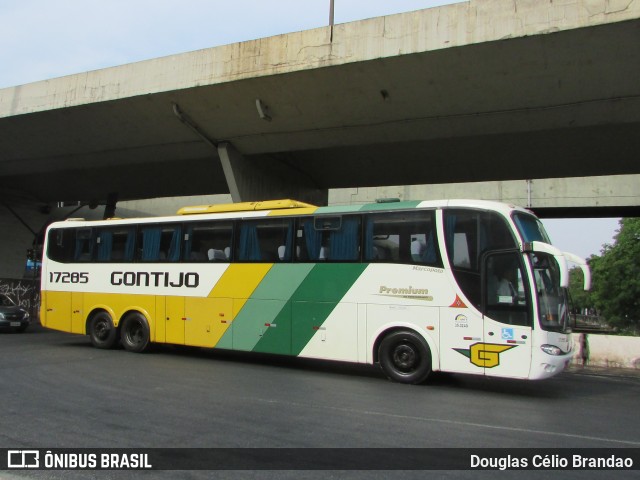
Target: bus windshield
<point x="552" y="299"/>
<point x="530" y="228"/>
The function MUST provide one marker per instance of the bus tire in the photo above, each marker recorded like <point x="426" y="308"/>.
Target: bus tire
<point x="101" y="330"/>
<point x="405" y="357"/>
<point x="134" y="333"/>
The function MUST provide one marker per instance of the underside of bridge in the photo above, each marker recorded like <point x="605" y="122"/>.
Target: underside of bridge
<point x="557" y="104"/>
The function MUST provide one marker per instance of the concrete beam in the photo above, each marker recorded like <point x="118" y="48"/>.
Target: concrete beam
<point x="445" y="27"/>
<point x="614" y="195"/>
<point x="269" y="179"/>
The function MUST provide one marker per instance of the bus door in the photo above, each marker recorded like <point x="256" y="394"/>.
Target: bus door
<point x="506" y="349"/>
<point x="489" y="331"/>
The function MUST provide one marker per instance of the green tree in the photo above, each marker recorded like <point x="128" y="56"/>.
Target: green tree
<point x="580" y="299"/>
<point x="616" y="277"/>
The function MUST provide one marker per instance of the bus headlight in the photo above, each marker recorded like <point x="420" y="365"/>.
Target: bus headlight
<point x="551" y="349"/>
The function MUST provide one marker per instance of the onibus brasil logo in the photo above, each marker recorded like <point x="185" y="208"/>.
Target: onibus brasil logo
<point x="485" y="355"/>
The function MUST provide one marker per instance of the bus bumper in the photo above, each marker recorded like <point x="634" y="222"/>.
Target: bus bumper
<point x="544" y="365"/>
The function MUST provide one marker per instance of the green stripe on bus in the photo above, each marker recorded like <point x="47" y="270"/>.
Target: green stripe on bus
<point x="261" y="318"/>
<point x="337" y="209"/>
<point x="290" y="305"/>
<point x="371" y="207"/>
<point x="368" y="207"/>
<point x="317" y="296"/>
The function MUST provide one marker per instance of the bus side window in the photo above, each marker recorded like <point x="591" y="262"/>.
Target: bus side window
<point x="309" y="241"/>
<point x="160" y="243"/>
<point x="208" y="242"/>
<point x="61" y="245"/>
<point x="265" y="240"/>
<point x="328" y="239"/>
<point x="402" y="237"/>
<point x="115" y="244"/>
<point x="344" y="244"/>
<point x="84" y="245"/>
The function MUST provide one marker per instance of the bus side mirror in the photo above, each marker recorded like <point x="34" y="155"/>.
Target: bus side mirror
<point x="563" y="266"/>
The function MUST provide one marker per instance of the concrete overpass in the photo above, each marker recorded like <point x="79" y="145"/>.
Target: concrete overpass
<point x="532" y="102"/>
<point x="483" y="90"/>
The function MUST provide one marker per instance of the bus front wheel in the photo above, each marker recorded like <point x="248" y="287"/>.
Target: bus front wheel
<point x="134" y="333"/>
<point x="405" y="357"/>
<point x="101" y="331"/>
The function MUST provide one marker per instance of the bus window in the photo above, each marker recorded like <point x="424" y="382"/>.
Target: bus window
<point x="333" y="239"/>
<point x="61" y="244"/>
<point x="264" y="240"/>
<point x="402" y="237"/>
<point x="530" y="228"/>
<point x="159" y="243"/>
<point x="208" y="242"/>
<point x="468" y="235"/>
<point x="115" y="244"/>
<point x="505" y="297"/>
<point x="84" y="245"/>
<point x="344" y="244"/>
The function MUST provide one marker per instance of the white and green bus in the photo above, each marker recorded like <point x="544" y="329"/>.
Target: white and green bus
<point x="455" y="285"/>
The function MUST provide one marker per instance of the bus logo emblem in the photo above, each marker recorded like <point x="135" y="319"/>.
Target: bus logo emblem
<point x="485" y="355"/>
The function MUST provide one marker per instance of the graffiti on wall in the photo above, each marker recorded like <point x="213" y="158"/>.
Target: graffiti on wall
<point x="25" y="293"/>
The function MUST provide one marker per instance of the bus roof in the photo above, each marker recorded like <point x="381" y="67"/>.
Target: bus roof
<point x="287" y="207"/>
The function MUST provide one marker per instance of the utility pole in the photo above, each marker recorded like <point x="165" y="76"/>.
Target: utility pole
<point x="331" y="20"/>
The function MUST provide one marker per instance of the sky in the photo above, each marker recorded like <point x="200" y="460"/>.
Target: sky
<point x="42" y="39"/>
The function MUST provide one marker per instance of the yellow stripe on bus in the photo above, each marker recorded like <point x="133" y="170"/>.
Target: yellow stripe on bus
<point x="238" y="282"/>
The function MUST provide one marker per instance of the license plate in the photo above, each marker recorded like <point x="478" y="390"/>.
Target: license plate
<point x="15" y="324"/>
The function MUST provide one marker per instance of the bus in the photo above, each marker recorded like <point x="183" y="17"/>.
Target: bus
<point x="415" y="287"/>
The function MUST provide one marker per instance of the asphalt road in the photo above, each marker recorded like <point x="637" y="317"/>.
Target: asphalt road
<point x="56" y="391"/>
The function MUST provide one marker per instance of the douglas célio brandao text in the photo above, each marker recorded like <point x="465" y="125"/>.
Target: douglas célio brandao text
<point x="550" y="462"/>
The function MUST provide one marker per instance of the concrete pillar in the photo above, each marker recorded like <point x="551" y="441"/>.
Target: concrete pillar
<point x="252" y="180"/>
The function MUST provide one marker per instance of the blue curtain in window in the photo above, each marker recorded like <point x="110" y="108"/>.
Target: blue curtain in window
<point x="313" y="240"/>
<point x="78" y="250"/>
<point x="344" y="243"/>
<point x="174" y="247"/>
<point x="105" y="246"/>
<point x="288" y="242"/>
<point x="151" y="244"/>
<point x="130" y="245"/>
<point x="249" y="243"/>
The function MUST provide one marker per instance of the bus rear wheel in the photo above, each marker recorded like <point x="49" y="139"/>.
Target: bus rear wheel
<point x="405" y="357"/>
<point x="101" y="331"/>
<point x="134" y="333"/>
